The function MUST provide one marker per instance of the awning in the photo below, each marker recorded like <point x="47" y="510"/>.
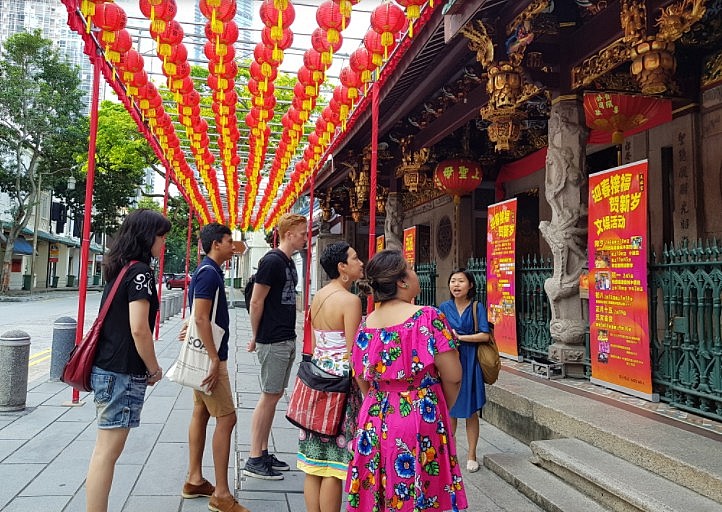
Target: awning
<point x="22" y="246"/>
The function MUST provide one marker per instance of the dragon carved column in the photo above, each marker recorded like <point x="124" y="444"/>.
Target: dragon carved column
<point x="566" y="233"/>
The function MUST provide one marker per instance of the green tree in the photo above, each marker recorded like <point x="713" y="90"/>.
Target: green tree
<point x="122" y="156"/>
<point x="40" y="108"/>
<point x="176" y="241"/>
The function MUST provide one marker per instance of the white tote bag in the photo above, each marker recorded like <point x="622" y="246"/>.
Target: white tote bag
<point x="193" y="363"/>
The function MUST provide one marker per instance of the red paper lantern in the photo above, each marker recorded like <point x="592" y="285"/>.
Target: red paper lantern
<point x="171" y="33"/>
<point x="273" y="17"/>
<point x="220" y="52"/>
<point x="612" y="117"/>
<point x="345" y="6"/>
<point x="372" y="42"/>
<point x="413" y="11"/>
<point x="225" y="10"/>
<point x="307" y="78"/>
<point x="458" y="177"/>
<point x="283" y="41"/>
<point x="164" y="10"/>
<point x="387" y="19"/>
<point x="218" y="83"/>
<point x="131" y="62"/>
<point x="109" y="17"/>
<point x="175" y="53"/>
<point x="264" y="54"/>
<point x="349" y="78"/>
<point x="226" y="33"/>
<point x="320" y="43"/>
<point x="330" y="18"/>
<point x="362" y="63"/>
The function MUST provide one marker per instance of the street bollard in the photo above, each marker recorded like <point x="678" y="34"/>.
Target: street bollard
<point x="14" y="359"/>
<point x="64" y="331"/>
<point x="164" y="308"/>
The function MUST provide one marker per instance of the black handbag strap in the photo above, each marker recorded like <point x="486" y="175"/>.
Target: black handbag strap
<point x="475" y="314"/>
<point x="113" y="290"/>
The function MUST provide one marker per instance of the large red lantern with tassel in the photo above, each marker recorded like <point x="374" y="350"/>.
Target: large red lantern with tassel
<point x="109" y="17"/>
<point x="362" y="63"/>
<point x="372" y="42"/>
<point x="612" y="117"/>
<point x="458" y="177"/>
<point x="225" y="10"/>
<point x="164" y="10"/>
<point x="387" y="19"/>
<point x="413" y="11"/>
<point x="330" y="18"/>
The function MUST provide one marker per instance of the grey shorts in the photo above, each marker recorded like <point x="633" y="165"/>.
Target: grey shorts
<point x="276" y="363"/>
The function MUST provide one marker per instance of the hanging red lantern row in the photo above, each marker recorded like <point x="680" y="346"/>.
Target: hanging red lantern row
<point x="277" y="16"/>
<point x="222" y="33"/>
<point x="350" y="78"/>
<point x="332" y="18"/>
<point x="168" y="35"/>
<point x="117" y="42"/>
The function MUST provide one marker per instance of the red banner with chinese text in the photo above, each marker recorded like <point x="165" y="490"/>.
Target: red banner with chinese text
<point x="618" y="304"/>
<point x="501" y="275"/>
<point x="410" y="245"/>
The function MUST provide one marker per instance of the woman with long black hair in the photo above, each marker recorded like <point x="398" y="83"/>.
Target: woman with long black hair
<point x="125" y="363"/>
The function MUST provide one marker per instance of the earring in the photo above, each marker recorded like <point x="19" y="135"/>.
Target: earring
<point x="406" y="285"/>
<point x="344" y="278"/>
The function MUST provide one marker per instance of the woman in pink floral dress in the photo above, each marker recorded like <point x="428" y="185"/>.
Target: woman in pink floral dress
<point x="406" y="364"/>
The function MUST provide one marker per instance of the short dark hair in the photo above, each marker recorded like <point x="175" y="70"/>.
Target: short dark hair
<point x="134" y="240"/>
<point x="213" y="232"/>
<point x="382" y="272"/>
<point x="470" y="277"/>
<point x="332" y="255"/>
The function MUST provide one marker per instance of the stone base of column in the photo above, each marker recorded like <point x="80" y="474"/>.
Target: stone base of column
<point x="572" y="356"/>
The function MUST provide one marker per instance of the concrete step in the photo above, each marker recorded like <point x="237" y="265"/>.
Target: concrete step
<point x="613" y="482"/>
<point x="532" y="409"/>
<point x="541" y="487"/>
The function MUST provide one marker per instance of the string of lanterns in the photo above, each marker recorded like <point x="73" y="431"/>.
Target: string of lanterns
<point x="111" y="20"/>
<point x="288" y="173"/>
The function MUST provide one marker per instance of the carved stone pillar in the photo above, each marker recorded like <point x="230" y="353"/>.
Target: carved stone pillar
<point x="394" y="223"/>
<point x="566" y="233"/>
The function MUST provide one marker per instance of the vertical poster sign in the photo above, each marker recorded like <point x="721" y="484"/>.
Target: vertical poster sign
<point x="410" y="245"/>
<point x="380" y="243"/>
<point x="501" y="275"/>
<point x="618" y="308"/>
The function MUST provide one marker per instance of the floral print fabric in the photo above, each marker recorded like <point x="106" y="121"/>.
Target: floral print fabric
<point x="404" y="457"/>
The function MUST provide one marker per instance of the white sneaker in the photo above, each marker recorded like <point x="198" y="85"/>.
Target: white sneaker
<point x="472" y="466"/>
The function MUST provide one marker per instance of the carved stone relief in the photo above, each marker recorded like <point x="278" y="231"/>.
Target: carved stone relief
<point x="566" y="233"/>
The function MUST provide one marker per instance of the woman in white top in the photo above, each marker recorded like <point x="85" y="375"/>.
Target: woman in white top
<point x="335" y="317"/>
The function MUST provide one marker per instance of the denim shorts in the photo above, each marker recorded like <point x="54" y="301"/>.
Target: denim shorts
<point x="119" y="398"/>
<point x="276" y="363"/>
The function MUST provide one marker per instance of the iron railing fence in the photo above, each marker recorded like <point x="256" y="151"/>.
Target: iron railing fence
<point x="685" y="303"/>
<point x="533" y="310"/>
<point x="427" y="275"/>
